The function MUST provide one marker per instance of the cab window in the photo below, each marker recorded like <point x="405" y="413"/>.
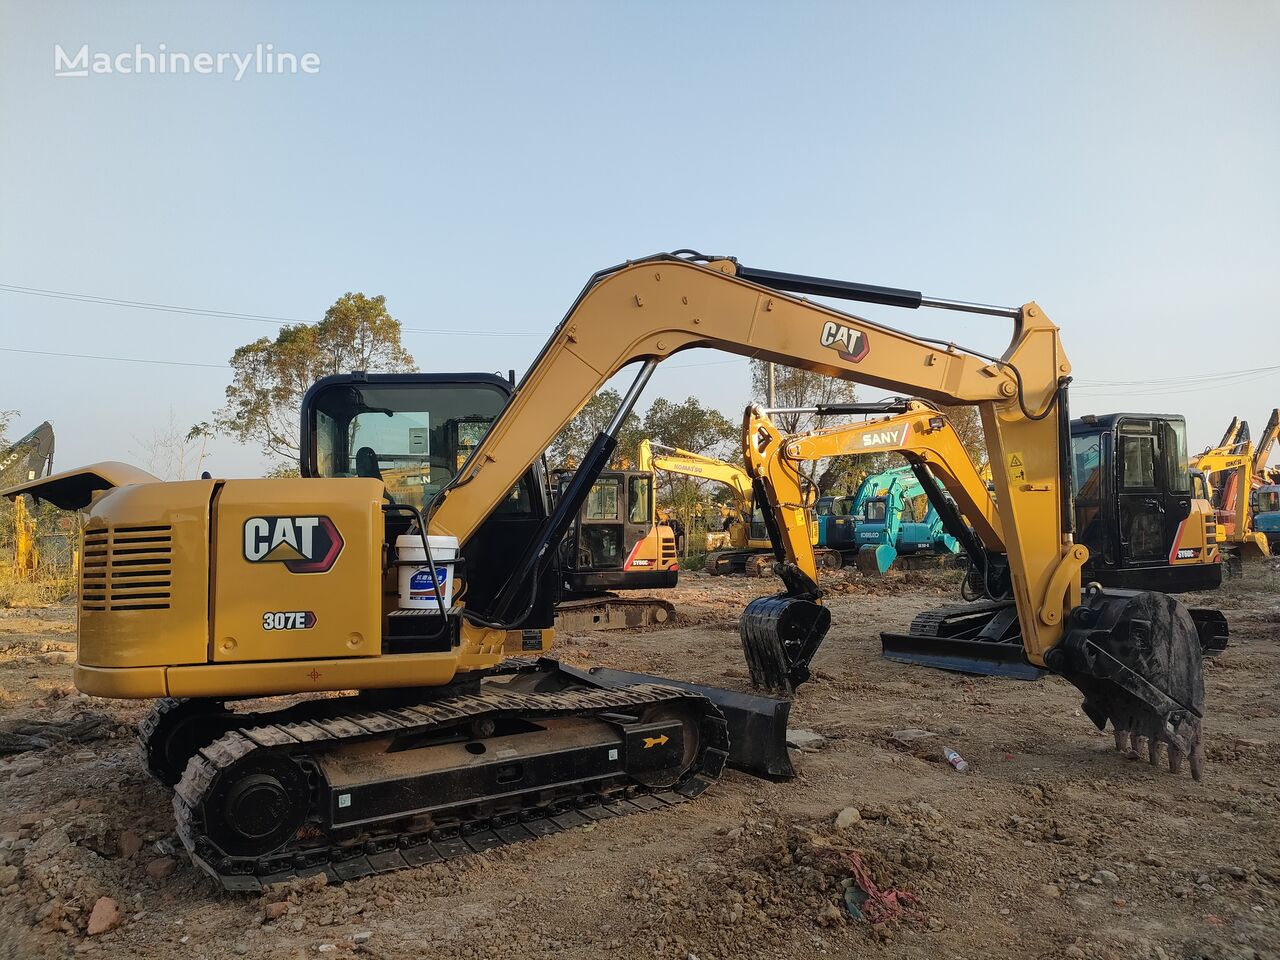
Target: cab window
<point x="639" y="500"/>
<point x="602" y="501"/>
<point x="414" y="437"/>
<point x="1086" y="476"/>
<point x="1177" y="467"/>
<point x="1138" y="455"/>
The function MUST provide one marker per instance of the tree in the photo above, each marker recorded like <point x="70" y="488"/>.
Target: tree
<point x="171" y="454"/>
<point x="698" y="429"/>
<point x="270" y="376"/>
<point x="572" y="443"/>
<point x="968" y="427"/>
<point x="693" y="427"/>
<point x="802" y="388"/>
<point x="798" y="388"/>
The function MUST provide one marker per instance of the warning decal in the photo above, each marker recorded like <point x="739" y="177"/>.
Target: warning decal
<point x="1017" y="468"/>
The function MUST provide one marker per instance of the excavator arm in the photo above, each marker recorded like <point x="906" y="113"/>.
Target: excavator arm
<point x="645" y="311"/>
<point x="695" y="465"/>
<point x="1266" y="445"/>
<point x="919" y="432"/>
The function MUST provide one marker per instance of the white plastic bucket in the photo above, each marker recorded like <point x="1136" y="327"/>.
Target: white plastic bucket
<point x="418" y="583"/>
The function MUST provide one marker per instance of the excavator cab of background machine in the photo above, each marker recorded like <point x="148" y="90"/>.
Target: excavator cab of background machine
<point x="615" y="542"/>
<point x="1134" y="497"/>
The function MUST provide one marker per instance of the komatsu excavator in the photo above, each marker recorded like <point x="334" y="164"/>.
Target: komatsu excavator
<point x="200" y="593"/>
<point x="749" y="548"/>
<point x="1156" y="543"/>
<point x="1229" y="469"/>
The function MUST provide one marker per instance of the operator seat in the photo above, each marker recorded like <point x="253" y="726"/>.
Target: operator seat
<point x="367" y="464"/>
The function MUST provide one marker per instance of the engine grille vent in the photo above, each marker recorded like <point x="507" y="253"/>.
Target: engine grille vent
<point x="126" y="568"/>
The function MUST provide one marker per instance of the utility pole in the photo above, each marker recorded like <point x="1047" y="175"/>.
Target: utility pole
<point x="770" y="401"/>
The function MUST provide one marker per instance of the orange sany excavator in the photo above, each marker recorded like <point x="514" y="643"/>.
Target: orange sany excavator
<point x="1162" y="541"/>
<point x="462" y="735"/>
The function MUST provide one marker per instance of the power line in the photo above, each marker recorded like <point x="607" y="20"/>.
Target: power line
<point x="228" y="314"/>
<point x="90" y="356"/>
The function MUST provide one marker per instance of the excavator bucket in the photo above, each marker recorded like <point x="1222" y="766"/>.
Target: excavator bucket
<point x="1137" y="658"/>
<point x="876" y="559"/>
<point x="757" y="725"/>
<point x="780" y="635"/>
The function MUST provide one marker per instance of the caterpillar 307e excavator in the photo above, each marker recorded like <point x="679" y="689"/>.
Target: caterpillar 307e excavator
<point x="198" y="593"/>
<point x="1149" y="545"/>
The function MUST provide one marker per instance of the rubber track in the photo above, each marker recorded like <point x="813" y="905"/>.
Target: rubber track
<point x="393" y="850"/>
<point x="928" y="623"/>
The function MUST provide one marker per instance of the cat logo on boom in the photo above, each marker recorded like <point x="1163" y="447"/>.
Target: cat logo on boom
<point x="851" y="344"/>
<point x="302" y="544"/>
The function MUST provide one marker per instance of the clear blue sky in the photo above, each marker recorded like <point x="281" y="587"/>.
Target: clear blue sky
<point x="475" y="162"/>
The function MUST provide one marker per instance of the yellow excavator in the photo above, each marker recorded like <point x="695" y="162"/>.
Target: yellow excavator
<point x="750" y="551"/>
<point x="749" y="548"/>
<point x="1165" y="542"/>
<point x="1229" y="471"/>
<point x="463" y="736"/>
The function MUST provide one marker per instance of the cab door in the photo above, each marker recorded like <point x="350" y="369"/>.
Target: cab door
<point x="1154" y="497"/>
<point x="601" y="538"/>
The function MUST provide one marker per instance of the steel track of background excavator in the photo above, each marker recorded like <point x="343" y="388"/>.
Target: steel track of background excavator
<point x="413" y="837"/>
<point x="982" y="637"/>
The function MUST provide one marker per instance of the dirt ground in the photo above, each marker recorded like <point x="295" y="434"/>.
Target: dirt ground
<point x="1052" y="845"/>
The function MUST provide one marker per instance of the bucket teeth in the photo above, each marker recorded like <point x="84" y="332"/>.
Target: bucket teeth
<point x="1139" y="667"/>
<point x="1139" y="735"/>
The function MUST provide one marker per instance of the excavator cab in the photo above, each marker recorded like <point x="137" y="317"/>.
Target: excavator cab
<point x="615" y="543"/>
<point x="414" y="432"/>
<point x="1134" y="498"/>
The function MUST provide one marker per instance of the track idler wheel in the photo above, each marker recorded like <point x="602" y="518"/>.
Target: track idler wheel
<point x="780" y="635"/>
<point x="1136" y="657"/>
<point x="256" y="805"/>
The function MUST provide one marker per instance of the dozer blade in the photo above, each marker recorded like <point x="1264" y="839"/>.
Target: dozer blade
<point x="757" y="725"/>
<point x="1136" y="656"/>
<point x="980" y="638"/>
<point x="780" y="635"/>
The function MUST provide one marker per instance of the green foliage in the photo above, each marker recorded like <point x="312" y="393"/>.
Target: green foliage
<point x="693" y="427"/>
<point x="570" y="446"/>
<point x="968" y="427"/>
<point x="270" y="376"/>
<point x="803" y="388"/>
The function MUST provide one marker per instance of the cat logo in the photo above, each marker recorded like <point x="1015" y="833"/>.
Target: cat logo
<point x="886" y="438"/>
<point x="851" y="344"/>
<point x="302" y="544"/>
